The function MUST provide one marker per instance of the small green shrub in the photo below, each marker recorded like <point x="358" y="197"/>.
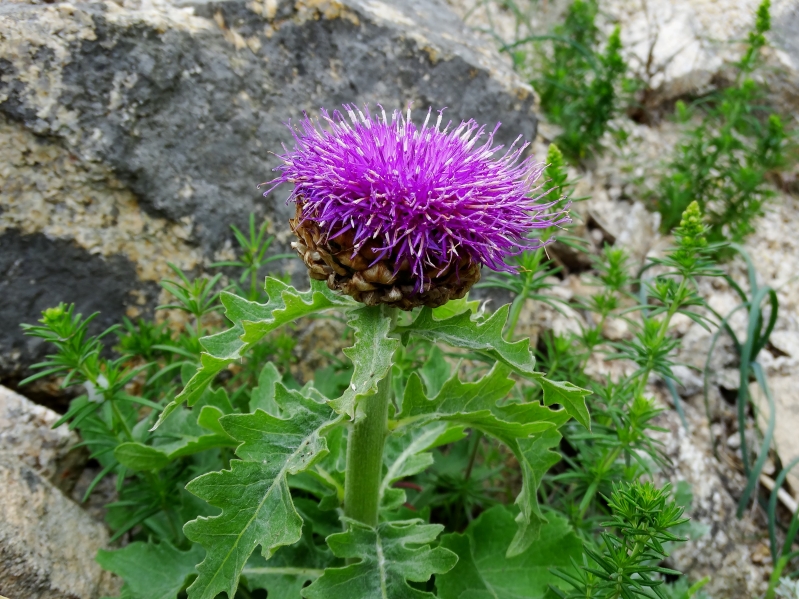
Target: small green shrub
<point x="723" y="162"/>
<point x="579" y="84"/>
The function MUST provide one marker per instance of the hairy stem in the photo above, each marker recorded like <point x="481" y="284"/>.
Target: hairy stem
<point x="365" y="453"/>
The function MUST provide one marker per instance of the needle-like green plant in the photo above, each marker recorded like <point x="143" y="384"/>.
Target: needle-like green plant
<point x="724" y="161"/>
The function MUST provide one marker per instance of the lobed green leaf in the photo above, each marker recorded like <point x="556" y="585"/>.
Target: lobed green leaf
<point x="372" y="357"/>
<point x="251" y="323"/>
<point x="389" y="555"/>
<point x="483" y="336"/>
<point x="290" y="569"/>
<point x="570" y="396"/>
<point x="475" y="405"/>
<point x="253" y="495"/>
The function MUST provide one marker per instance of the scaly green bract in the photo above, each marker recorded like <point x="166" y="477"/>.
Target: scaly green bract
<point x="251" y="323"/>
<point x="390" y="554"/>
<point x="254" y="495"/>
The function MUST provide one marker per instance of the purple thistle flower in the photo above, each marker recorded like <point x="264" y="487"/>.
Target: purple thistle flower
<point x="422" y="199"/>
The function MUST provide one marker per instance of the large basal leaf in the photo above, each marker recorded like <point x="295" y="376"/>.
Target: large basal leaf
<point x="371" y="356"/>
<point x="483" y="571"/>
<point x="389" y="555"/>
<point x="251" y="323"/>
<point x="287" y="572"/>
<point x="151" y="571"/>
<point x="475" y="405"/>
<point x="254" y="495"/>
<point x="480" y="335"/>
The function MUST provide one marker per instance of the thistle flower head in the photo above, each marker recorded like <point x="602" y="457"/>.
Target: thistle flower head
<point x="420" y="200"/>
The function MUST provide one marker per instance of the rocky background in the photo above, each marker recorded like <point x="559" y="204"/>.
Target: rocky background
<point x="134" y="132"/>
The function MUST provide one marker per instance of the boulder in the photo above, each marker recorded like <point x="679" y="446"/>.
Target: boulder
<point x="26" y="432"/>
<point x="133" y="133"/>
<point x="47" y="543"/>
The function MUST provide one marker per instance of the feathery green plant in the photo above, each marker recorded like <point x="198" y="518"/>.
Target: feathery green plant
<point x="724" y="161"/>
<point x="580" y="86"/>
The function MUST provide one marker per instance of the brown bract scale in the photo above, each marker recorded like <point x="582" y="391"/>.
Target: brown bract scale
<point x="332" y="260"/>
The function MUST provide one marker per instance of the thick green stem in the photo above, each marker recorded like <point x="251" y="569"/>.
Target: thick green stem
<point x="365" y="458"/>
<point x="365" y="455"/>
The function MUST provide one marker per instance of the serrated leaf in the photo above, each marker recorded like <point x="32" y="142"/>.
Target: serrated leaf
<point x="408" y="454"/>
<point x="371" y="357"/>
<point x="535" y="457"/>
<point x="473" y="405"/>
<point x="140" y="457"/>
<point x="251" y="323"/>
<point x="290" y="569"/>
<point x="483" y="336"/>
<point x="484" y="571"/>
<point x="389" y="555"/>
<point x="254" y="495"/>
<point x="209" y="419"/>
<point x="570" y="396"/>
<point x="151" y="571"/>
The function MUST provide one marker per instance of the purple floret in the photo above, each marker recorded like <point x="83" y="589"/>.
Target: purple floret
<point x="430" y="196"/>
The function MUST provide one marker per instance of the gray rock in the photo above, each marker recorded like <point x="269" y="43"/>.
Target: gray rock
<point x="687" y="47"/>
<point x="133" y="134"/>
<point x="47" y="543"/>
<point x="732" y="552"/>
<point x="26" y="432"/>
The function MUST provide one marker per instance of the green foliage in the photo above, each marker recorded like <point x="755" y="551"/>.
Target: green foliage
<point x="388" y="555"/>
<point x="724" y="161"/>
<point x="642" y="518"/>
<point x="251" y="323"/>
<point x="480" y="335"/>
<point x="483" y="572"/>
<point x="578" y="83"/>
<point x="254" y="494"/>
<point x="289" y="571"/>
<point x="253" y="258"/>
<point x="244" y="456"/>
<point x="371" y="355"/>
<point x="167" y="569"/>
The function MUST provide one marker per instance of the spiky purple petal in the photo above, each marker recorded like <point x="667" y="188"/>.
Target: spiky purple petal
<point x="430" y="195"/>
